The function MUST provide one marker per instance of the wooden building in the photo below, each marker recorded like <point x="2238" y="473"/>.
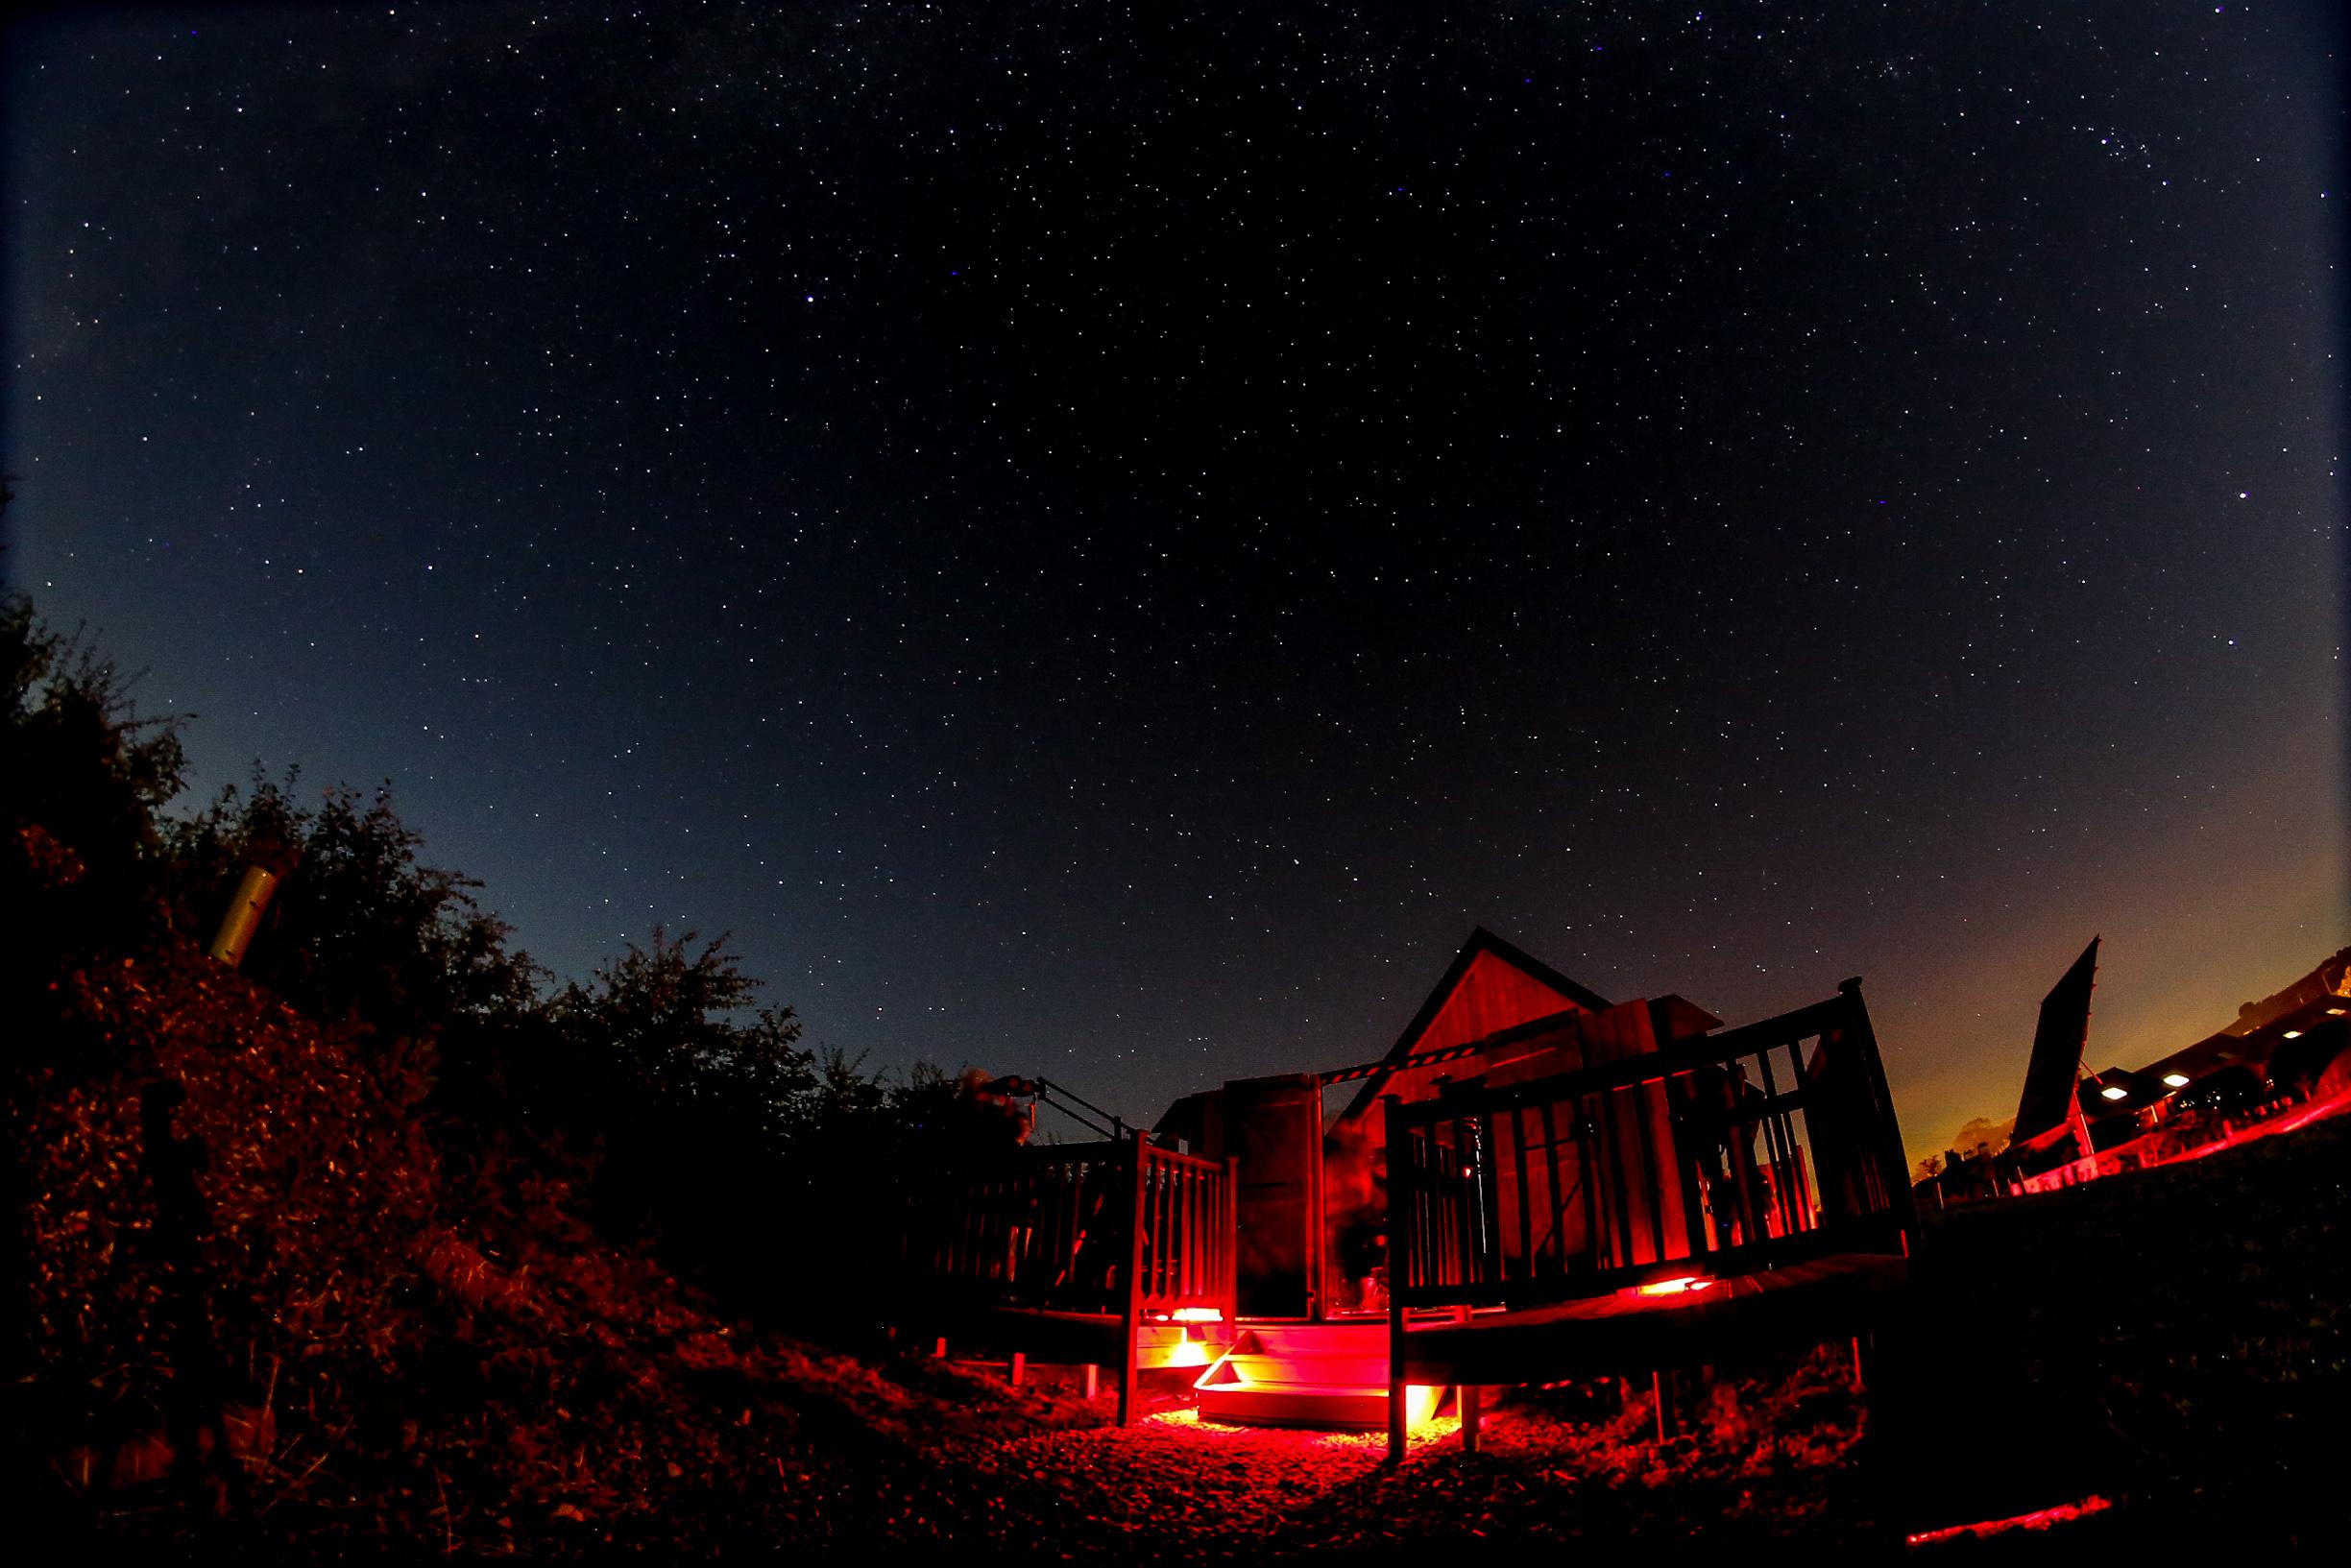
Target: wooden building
<point x="1530" y="1179"/>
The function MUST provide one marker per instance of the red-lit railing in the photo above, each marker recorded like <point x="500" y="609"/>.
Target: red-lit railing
<point x="1111" y="1228"/>
<point x="1742" y="1151"/>
<point x="2191" y="1138"/>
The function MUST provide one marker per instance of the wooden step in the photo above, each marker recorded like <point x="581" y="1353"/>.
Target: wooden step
<point x="1310" y="1405"/>
<point x="1357" y="1371"/>
<point x="1354" y="1338"/>
<point x="1306" y="1375"/>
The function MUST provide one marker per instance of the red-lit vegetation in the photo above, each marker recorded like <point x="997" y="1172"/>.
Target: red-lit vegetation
<point x="397" y="1267"/>
<point x="383" y="1267"/>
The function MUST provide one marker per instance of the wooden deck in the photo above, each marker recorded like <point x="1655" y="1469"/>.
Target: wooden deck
<point x="1117" y="1254"/>
<point x="1667" y="1209"/>
<point x="1806" y="1303"/>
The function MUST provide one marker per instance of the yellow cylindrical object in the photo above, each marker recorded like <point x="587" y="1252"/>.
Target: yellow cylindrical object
<point x="244" y="916"/>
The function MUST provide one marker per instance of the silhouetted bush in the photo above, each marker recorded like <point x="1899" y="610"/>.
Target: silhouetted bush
<point x="361" y="1241"/>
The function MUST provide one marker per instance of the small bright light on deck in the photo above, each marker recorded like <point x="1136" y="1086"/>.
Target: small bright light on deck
<point x="2115" y="1092"/>
<point x="1196" y="1314"/>
<point x="2175" y="1080"/>
<point x="2291" y="1034"/>
<point x="1682" y="1286"/>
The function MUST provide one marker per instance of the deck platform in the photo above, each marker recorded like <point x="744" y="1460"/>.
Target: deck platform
<point x="1813" y="1302"/>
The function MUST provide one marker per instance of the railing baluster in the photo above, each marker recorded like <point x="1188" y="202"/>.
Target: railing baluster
<point x="1775" y="1122"/>
<point x="1192" y="1227"/>
<point x="1611" y="1140"/>
<point x="1599" y="1205"/>
<point x="1162" y="1230"/>
<point x="1552" y="1204"/>
<point x="1526" y="1205"/>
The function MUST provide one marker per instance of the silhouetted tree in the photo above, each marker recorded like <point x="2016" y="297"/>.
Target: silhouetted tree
<point x="360" y="927"/>
<point x="82" y="777"/>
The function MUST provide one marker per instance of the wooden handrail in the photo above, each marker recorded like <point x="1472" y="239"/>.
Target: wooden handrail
<point x="1117" y="1232"/>
<point x="1080" y="1228"/>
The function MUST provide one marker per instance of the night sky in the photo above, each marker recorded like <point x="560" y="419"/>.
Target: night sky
<point x="1104" y="544"/>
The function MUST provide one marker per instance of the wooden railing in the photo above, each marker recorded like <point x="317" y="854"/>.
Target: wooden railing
<point x="1114" y="1233"/>
<point x="1183" y="1240"/>
<point x="1720" y="1156"/>
<point x="1099" y="1228"/>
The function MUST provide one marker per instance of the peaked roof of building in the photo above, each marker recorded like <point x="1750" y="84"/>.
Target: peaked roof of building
<point x="1490" y="985"/>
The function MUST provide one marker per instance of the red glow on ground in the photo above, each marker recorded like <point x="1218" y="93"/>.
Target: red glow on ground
<point x="2038" y="1519"/>
<point x="1191" y="1353"/>
<point x="1335" y="1443"/>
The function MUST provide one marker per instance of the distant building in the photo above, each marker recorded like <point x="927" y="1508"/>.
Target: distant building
<point x="2285" y="1052"/>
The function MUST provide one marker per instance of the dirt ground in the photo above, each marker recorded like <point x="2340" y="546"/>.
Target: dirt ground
<point x="2169" y="1344"/>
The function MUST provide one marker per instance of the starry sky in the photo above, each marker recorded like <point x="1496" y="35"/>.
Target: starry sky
<point x="1102" y="541"/>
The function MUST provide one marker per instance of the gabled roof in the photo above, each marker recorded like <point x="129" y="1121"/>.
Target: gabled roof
<point x="1490" y="986"/>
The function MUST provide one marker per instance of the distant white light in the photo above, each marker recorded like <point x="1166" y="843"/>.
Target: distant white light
<point x="2115" y="1092"/>
<point x="2175" y="1080"/>
<point x="2293" y="1034"/>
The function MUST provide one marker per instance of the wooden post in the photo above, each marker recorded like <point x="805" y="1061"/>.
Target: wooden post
<point x="1020" y="1367"/>
<point x="1231" y="1242"/>
<point x="1128" y="1355"/>
<point x="1473" y="1409"/>
<point x="939" y="1351"/>
<point x="1317" y="1286"/>
<point x="1093" y="1381"/>
<point x="1668" y="1415"/>
<point x="1396" y="1271"/>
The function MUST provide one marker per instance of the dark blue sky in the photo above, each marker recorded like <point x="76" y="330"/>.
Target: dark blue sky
<point x="1103" y="543"/>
